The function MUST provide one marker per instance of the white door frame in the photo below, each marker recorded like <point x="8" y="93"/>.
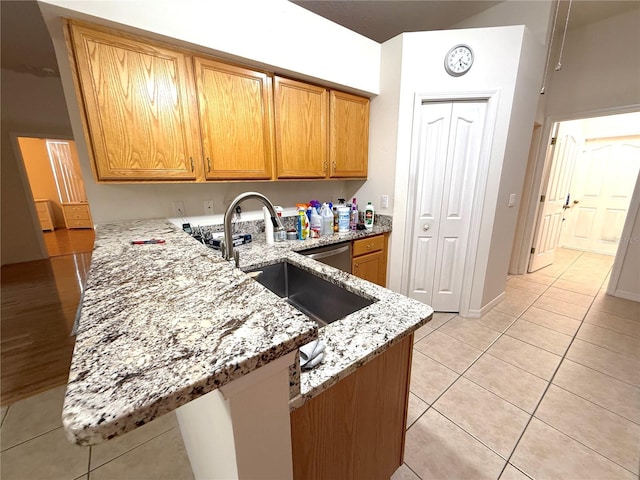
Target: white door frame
<point x="530" y="214"/>
<point x="491" y="97"/>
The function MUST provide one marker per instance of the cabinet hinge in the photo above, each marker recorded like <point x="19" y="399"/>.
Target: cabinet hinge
<point x="192" y="165"/>
<point x="533" y="250"/>
<point x="542" y="198"/>
<point x="553" y="140"/>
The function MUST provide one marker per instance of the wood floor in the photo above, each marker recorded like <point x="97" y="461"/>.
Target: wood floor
<point x="39" y="304"/>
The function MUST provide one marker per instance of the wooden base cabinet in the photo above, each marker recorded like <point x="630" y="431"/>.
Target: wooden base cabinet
<point x="369" y="259"/>
<point x="356" y="429"/>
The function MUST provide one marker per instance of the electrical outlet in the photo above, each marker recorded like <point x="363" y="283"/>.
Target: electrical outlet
<point x="178" y="209"/>
<point x="208" y="207"/>
<point x="384" y="201"/>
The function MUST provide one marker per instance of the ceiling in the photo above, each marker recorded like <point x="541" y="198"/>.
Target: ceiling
<point x="26" y="46"/>
<point x="381" y="20"/>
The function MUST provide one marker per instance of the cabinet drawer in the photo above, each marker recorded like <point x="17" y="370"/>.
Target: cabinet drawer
<point x="77" y="216"/>
<point x="69" y="209"/>
<point x="82" y="223"/>
<point x="368" y="245"/>
<point x="42" y="207"/>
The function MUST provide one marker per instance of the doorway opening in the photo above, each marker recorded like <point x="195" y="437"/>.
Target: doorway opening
<point x="58" y="192"/>
<point x="588" y="187"/>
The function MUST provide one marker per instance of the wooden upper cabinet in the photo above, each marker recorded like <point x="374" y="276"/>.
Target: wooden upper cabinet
<point x="300" y="129"/>
<point x="136" y="105"/>
<point x="349" y="135"/>
<point x="235" y="121"/>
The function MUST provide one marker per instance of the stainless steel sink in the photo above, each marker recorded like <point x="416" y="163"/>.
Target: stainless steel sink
<point x="319" y="299"/>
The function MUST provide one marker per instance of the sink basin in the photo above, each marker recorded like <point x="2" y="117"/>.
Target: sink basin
<point x="323" y="301"/>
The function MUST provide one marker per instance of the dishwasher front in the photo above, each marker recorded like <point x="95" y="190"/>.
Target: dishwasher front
<point x="337" y="255"/>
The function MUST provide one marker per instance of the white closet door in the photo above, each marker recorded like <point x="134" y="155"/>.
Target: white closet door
<point x="449" y="151"/>
<point x="604" y="178"/>
<point x="432" y="151"/>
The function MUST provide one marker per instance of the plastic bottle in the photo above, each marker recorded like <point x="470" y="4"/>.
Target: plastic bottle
<point x="353" y="219"/>
<point x="316" y="223"/>
<point x="327" y="219"/>
<point x="343" y="219"/>
<point x="369" y="213"/>
<point x="302" y="225"/>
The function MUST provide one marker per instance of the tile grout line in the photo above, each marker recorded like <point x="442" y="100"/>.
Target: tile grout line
<point x="586" y="446"/>
<point x="130" y="450"/>
<point x="485" y="352"/>
<point x="29" y="439"/>
<point x="551" y="382"/>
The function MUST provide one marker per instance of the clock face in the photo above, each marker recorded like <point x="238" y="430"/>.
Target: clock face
<point x="458" y="60"/>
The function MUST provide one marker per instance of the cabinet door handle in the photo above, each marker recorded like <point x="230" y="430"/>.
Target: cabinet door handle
<point x="192" y="166"/>
<point x="326" y="165"/>
<point x="333" y="165"/>
<point x="208" y="165"/>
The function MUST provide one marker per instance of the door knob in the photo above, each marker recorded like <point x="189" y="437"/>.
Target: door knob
<point x="425" y="227"/>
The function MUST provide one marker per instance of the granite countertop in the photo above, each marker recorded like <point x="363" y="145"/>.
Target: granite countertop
<point x="163" y="324"/>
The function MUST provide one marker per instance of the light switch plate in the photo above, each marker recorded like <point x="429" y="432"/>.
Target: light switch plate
<point x="384" y="201"/>
<point x="512" y="199"/>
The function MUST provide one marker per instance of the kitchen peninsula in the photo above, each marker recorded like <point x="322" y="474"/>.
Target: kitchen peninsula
<point x="165" y="324"/>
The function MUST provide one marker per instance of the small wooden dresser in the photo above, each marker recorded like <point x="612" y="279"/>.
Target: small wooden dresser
<point x="77" y="215"/>
<point x="45" y="214"/>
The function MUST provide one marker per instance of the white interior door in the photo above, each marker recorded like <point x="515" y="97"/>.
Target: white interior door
<point x="602" y="186"/>
<point x="551" y="212"/>
<point x="448" y="156"/>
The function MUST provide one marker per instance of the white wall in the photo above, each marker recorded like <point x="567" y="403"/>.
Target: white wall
<point x="599" y="76"/>
<point x="600" y="68"/>
<point x="277" y="35"/>
<point x="30" y="106"/>
<point x="525" y="101"/>
<point x="515" y="74"/>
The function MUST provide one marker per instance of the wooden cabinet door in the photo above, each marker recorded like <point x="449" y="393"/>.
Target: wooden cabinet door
<point x="368" y="267"/>
<point x="300" y="129"/>
<point x="137" y="107"/>
<point x="349" y="136"/>
<point x="235" y="121"/>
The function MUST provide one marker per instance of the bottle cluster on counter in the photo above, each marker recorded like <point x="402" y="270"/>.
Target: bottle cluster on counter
<point x="315" y="219"/>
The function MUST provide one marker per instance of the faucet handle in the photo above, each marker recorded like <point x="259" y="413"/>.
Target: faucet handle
<point x="236" y="258"/>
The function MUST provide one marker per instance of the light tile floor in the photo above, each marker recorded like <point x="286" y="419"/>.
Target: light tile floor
<point x="546" y="385"/>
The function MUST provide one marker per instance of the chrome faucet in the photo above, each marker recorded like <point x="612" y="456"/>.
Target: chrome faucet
<point x="228" y="215"/>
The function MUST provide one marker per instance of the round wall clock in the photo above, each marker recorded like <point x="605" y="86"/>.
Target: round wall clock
<point x="458" y="60"/>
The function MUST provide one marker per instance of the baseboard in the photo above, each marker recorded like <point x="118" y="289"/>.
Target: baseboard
<point x="477" y="313"/>
<point x="635" y="296"/>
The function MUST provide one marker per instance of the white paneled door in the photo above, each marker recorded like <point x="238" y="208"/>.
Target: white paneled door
<point x="447" y="154"/>
<point x="554" y="201"/>
<point x="603" y="182"/>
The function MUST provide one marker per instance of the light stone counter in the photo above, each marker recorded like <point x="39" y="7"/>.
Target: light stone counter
<point x="164" y="324"/>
